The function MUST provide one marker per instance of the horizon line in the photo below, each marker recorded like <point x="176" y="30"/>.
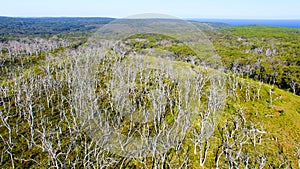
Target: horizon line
<point x="184" y="18"/>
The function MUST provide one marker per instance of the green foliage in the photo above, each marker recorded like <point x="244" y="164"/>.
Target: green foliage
<point x="262" y="53"/>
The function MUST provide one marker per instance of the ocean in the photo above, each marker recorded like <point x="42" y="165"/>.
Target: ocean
<point x="244" y="22"/>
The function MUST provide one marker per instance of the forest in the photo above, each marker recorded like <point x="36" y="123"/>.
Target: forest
<point x="154" y="93"/>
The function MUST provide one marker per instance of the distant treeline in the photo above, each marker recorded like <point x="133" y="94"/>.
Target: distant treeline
<point x="22" y="27"/>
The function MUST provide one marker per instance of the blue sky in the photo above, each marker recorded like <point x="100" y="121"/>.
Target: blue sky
<point x="222" y="9"/>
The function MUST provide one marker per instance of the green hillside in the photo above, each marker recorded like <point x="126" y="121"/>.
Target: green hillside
<point x="142" y="102"/>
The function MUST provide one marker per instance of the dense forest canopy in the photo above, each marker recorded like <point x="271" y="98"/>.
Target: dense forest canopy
<point x="267" y="54"/>
<point x="23" y="27"/>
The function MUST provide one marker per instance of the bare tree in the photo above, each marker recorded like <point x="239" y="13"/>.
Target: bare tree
<point x="236" y="137"/>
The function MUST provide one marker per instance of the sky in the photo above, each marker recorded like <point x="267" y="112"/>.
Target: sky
<point x="218" y="9"/>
